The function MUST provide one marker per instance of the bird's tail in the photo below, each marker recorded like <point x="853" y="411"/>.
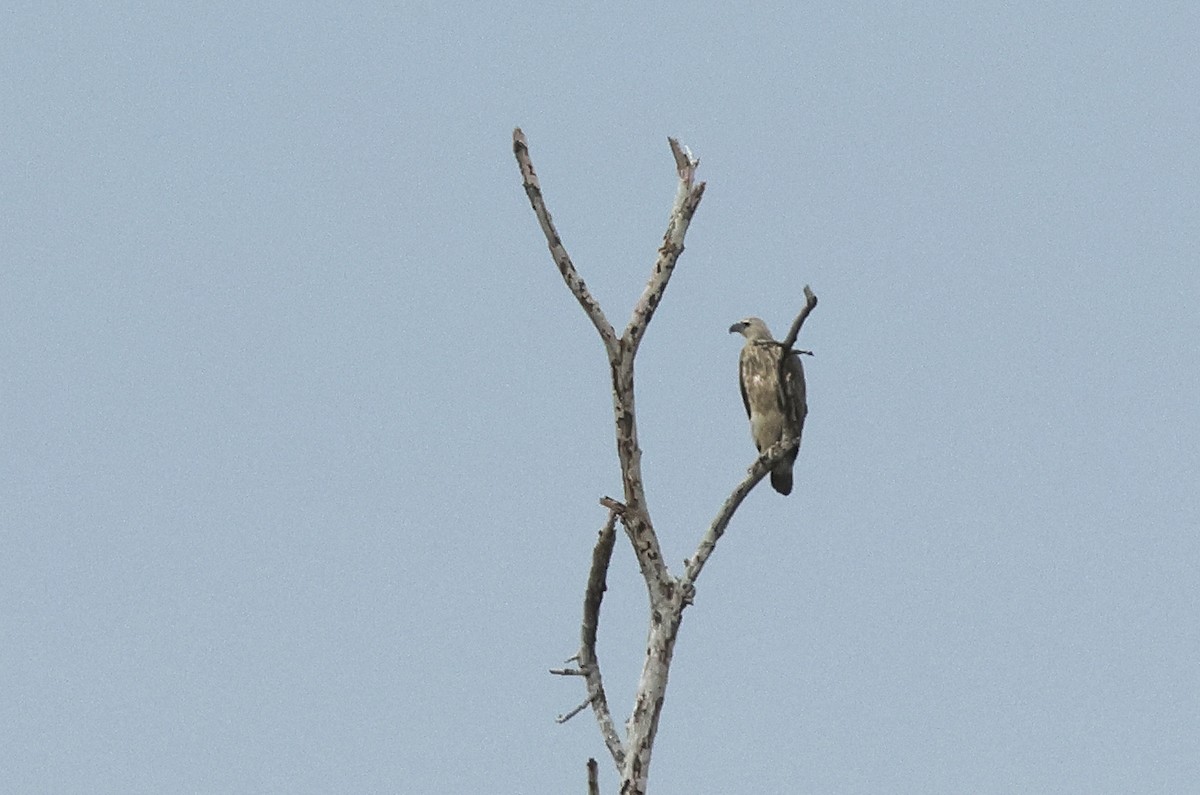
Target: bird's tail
<point x="781" y="478"/>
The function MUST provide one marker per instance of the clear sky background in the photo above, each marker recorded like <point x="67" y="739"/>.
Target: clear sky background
<point x="303" y="436"/>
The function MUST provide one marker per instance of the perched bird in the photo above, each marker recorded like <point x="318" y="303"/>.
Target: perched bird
<point x="776" y="410"/>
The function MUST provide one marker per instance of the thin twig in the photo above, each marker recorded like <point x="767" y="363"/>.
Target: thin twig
<point x="574" y="712"/>
<point x="613" y="505"/>
<point x="810" y="302"/>
<point x="593" y="777"/>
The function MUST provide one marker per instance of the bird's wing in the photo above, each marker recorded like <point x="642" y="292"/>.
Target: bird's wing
<point x="794" y="393"/>
<point x="742" y="377"/>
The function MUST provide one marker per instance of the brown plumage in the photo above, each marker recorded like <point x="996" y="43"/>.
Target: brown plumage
<point x="776" y="411"/>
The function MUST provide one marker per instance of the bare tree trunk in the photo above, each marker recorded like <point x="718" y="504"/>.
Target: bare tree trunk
<point x="668" y="595"/>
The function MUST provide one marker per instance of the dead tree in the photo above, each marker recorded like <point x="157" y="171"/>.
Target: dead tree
<point x="668" y="594"/>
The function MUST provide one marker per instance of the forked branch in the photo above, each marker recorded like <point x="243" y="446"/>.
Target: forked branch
<point x="621" y="352"/>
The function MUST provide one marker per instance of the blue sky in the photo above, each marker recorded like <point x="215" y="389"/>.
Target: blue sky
<point x="304" y="435"/>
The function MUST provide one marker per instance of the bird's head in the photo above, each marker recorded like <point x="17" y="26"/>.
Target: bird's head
<point x="752" y="328"/>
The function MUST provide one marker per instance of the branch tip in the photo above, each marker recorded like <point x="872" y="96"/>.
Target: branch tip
<point x="613" y="505"/>
<point x="573" y="713"/>
<point x="685" y="162"/>
<point x="593" y="774"/>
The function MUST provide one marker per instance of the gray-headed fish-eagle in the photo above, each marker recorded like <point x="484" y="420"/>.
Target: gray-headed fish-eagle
<point x="776" y="411"/>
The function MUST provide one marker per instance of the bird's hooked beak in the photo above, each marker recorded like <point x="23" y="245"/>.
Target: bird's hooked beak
<point x="737" y="327"/>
